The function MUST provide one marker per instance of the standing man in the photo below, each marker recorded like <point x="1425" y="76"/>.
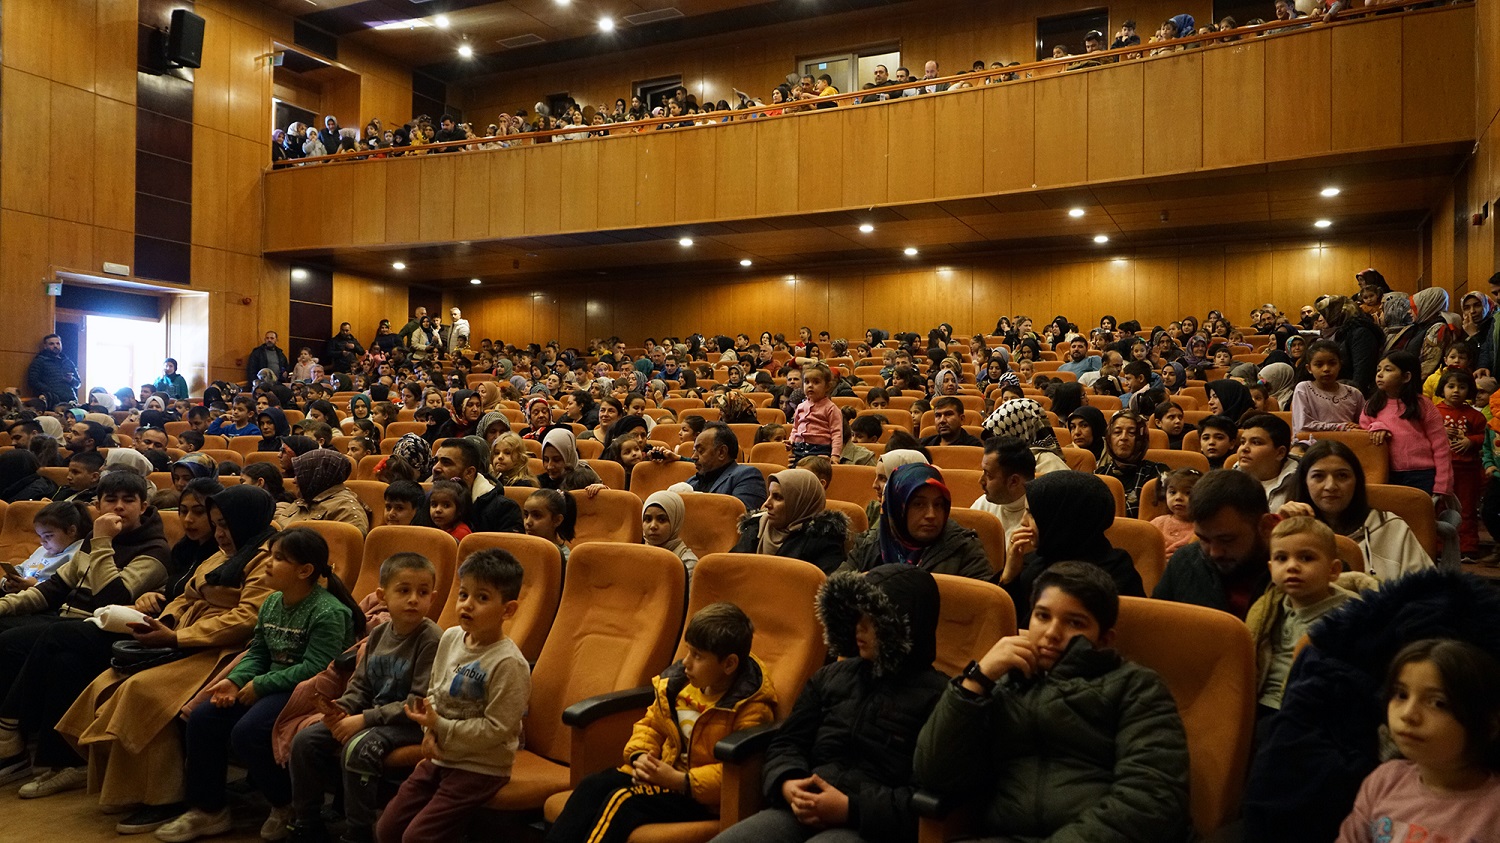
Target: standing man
<point x="343" y="350"/>
<point x="267" y="356"/>
<point x="52" y="375"/>
<point x="404" y="338"/>
<point x="456" y="335"/>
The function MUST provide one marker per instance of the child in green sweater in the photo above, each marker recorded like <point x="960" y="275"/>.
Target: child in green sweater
<point x="301" y="627"/>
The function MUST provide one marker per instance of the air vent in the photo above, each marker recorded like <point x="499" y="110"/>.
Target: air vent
<point x="656" y="16"/>
<point x="521" y="41"/>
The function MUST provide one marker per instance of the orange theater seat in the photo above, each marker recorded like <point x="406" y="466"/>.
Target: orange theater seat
<point x="382" y="542"/>
<point x="711" y="523"/>
<point x="650" y="476"/>
<point x="610" y="516"/>
<point x="346" y="548"/>
<point x="975" y="615"/>
<point x="541" y="587"/>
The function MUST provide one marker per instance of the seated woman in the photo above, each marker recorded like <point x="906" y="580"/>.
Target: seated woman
<point x="1125" y="457"/>
<point x="1068" y="514"/>
<point x="1229" y="398"/>
<point x="1089" y="430"/>
<point x="21" y="478"/>
<point x="889" y="461"/>
<point x="915" y="529"/>
<point x="796" y="523"/>
<point x="538" y="417"/>
<point x="561" y="468"/>
<point x="321" y="493"/>
<point x="1330" y="487"/>
<point x="661" y="526"/>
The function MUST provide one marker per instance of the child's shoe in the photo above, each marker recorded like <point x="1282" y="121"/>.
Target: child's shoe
<point x="194" y="824"/>
<point x="54" y="781"/>
<point x="15" y="766"/>
<point x="278" y="824"/>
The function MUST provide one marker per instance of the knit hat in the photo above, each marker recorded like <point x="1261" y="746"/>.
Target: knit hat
<point x="319" y="470"/>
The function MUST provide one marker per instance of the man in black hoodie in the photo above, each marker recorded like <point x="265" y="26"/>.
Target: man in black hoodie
<point x="843" y="757"/>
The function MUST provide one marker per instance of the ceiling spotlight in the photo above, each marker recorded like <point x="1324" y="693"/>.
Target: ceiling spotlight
<point x="299" y="275"/>
<point x="1101" y="238"/>
<point x="441" y="21"/>
<point x="564" y="2"/>
<point x="866" y="228"/>
<point x="606" y="24"/>
<point x="745" y="262"/>
<point x="1076" y="213"/>
<point x="1323" y="223"/>
<point x="910" y="251"/>
<point x="474" y="281"/>
<point x="685" y="242"/>
<point x="1330" y="192"/>
<point x="398" y="266"/>
<point x="466" y="51"/>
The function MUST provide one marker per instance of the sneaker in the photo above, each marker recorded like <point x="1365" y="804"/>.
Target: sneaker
<point x="148" y="818"/>
<point x="54" y="781"/>
<point x="15" y="768"/>
<point x="278" y="824"/>
<point x="194" y="824"/>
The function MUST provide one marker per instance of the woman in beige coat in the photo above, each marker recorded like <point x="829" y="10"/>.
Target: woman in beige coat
<point x="123" y="724"/>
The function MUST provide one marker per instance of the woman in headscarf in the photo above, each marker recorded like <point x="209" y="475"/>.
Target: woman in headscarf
<point x="415" y="452"/>
<point x="1125" y="457"/>
<point x="21" y="478"/>
<point x="1476" y="325"/>
<point x="796" y="523"/>
<point x="1433" y="326"/>
<point x="489" y="395"/>
<point x="538" y="418"/>
<point x="466" y="415"/>
<point x="437" y="419"/>
<point x="737" y="382"/>
<point x="321" y="493"/>
<point x="50" y="426"/>
<point x="1280" y="379"/>
<point x="1089" y="430"/>
<point x="125" y="725"/>
<point x="1025" y="418"/>
<point x="1068" y="514"/>
<point x="1196" y="359"/>
<point x="1228" y="398"/>
<point x="888" y="462"/>
<point x="1359" y="339"/>
<point x="100" y="396"/>
<point x="661" y="526"/>
<point x="273" y="428"/>
<point x="561" y="468"/>
<point x="194" y="466"/>
<point x="127" y="459"/>
<point x="915" y="530"/>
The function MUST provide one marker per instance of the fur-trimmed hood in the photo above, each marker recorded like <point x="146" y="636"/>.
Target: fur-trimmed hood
<point x="903" y="603"/>
<point x="826" y="524"/>
<point x="1427" y="604"/>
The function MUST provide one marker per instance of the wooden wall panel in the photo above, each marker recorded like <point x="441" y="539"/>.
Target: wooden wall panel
<point x="866" y="146"/>
<point x="1236" y="77"/>
<point x="1433" y="53"/>
<point x="737" y="171"/>
<point x="1061" y="129"/>
<point x="403" y="199"/>
<point x="366" y="186"/>
<point x="435" y="219"/>
<point x="543" y="196"/>
<point x="1009" y="138"/>
<point x="24" y="162"/>
<point x="697" y="190"/>
<point x="820" y="185"/>
<point x="74" y="42"/>
<point x="1298" y="119"/>
<point x="777" y="164"/>
<point x="1116" y="139"/>
<point x="507" y="196"/>
<point x="71" y="135"/>
<point x="580" y="210"/>
<point x="471" y="196"/>
<point x="656" y="175"/>
<point x="616" y="202"/>
<point x="958" y="147"/>
<point x="1367" y="115"/>
<point x="1172" y="134"/>
<point x="910" y="137"/>
<point x="210" y="191"/>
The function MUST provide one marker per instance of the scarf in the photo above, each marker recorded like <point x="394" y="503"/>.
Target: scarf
<point x="50" y="426"/>
<point x="562" y="439"/>
<point x="1024" y="418"/>
<point x="436" y="418"/>
<point x="1280" y="380"/>
<point x="1071" y="511"/>
<point x="247" y="512"/>
<point x="1181" y="373"/>
<point x="896" y="544"/>
<point x="319" y="470"/>
<point x="1233" y="396"/>
<point x="197" y="465"/>
<point x="802" y="497"/>
<point x="671" y="504"/>
<point x="1429" y="304"/>
<point x="361" y="399"/>
<point x="126" y="459"/>
<point x="414" y="449"/>
<point x="1094" y="418"/>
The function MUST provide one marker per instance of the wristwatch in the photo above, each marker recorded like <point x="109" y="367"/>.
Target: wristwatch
<point x="974" y="674"/>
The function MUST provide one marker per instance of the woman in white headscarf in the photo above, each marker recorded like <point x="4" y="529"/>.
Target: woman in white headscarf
<point x="661" y="525"/>
<point x="127" y="459"/>
<point x="796" y="523"/>
<point x="1280" y="379"/>
<point x="561" y="468"/>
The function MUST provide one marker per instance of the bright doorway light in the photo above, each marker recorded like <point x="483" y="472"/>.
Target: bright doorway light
<point x="123" y="352"/>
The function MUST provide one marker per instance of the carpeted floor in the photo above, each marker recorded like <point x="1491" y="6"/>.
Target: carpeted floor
<point x="75" y="817"/>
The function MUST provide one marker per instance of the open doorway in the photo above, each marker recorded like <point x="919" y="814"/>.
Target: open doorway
<point x="122" y="330"/>
<point x="122" y="351"/>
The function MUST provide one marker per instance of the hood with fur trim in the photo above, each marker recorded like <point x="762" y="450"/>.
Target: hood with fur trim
<point x="903" y="603"/>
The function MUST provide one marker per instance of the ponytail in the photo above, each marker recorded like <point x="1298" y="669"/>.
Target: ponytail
<point x="306" y="546"/>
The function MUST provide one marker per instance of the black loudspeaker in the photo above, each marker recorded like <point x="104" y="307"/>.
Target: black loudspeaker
<point x="185" y="40"/>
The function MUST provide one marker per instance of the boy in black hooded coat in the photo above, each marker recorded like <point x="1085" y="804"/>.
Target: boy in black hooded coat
<point x="842" y="760"/>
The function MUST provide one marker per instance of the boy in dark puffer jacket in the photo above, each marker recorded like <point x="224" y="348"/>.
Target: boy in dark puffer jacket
<point x="842" y="760"/>
<point x="1056" y="735"/>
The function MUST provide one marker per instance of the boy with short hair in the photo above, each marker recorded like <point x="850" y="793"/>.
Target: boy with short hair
<point x="404" y="502"/>
<point x="820" y="466"/>
<point x="1304" y="573"/>
<point x="1058" y="736"/>
<point x="190" y="441"/>
<point x="472" y="717"/>
<point x="1218" y="437"/>
<point x="240" y="421"/>
<point x="83" y="475"/>
<point x="1265" y="446"/>
<point x="1135" y="378"/>
<point x="670" y="772"/>
<point x="362" y="727"/>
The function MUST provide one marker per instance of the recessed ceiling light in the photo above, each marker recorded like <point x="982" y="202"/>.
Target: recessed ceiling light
<point x="466" y="51"/>
<point x="1323" y="223"/>
<point x="398" y="265"/>
<point x="1330" y="192"/>
<point x="606" y="24"/>
<point x="1101" y="238"/>
<point x="299" y="275"/>
<point x="564" y="2"/>
<point x="474" y="281"/>
<point x="686" y="241"/>
<point x="745" y="262"/>
<point x="866" y="228"/>
<point x="1076" y="213"/>
<point x="910" y="250"/>
<point x="441" y="21"/>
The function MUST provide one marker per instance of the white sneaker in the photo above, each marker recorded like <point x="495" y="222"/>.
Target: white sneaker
<point x="14" y="767"/>
<point x="276" y="826"/>
<point x="194" y="824"/>
<point x="54" y="781"/>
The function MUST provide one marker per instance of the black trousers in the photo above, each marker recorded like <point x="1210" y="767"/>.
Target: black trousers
<point x="608" y="805"/>
<point x="45" y="663"/>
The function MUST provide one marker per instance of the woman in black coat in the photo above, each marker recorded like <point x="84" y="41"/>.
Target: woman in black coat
<point x="21" y="478"/>
<point x="795" y="523"/>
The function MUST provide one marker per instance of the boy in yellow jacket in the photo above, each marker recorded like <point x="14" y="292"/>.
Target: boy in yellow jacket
<point x="670" y="774"/>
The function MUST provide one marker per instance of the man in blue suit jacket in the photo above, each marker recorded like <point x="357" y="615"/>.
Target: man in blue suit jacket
<point x="714" y="452"/>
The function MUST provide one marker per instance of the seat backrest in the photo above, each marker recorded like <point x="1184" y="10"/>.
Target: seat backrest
<point x="1118" y="490"/>
<point x="1146" y="546"/>
<point x="650" y="476"/>
<point x="244" y="445"/>
<point x="590" y="449"/>
<point x="1151" y="506"/>
<point x="540" y="588"/>
<point x="858" y="522"/>
<point x="346" y="548"/>
<point x="1375" y="459"/>
<point x="1177" y="459"/>
<point x="1078" y="459"/>
<point x="769" y="415"/>
<point x="778" y="594"/>
<point x="975" y="614"/>
<point x="711" y="523"/>
<point x="371" y="493"/>
<point x="382" y="542"/>
<point x="956" y="456"/>
<point x="271" y="457"/>
<point x="771" y="452"/>
<point x="853" y="483"/>
<point x="397" y="429"/>
<point x="964" y="484"/>
<point x="616" y="627"/>
<point x="746" y="434"/>
<point x="367" y="465"/>
<point x="1350" y="554"/>
<point x="610" y="516"/>
<point x="1156" y="438"/>
<point x="991" y="533"/>
<point x="1206" y="659"/>
<point x="171" y="525"/>
<point x="611" y="473"/>
<point x="1411" y="505"/>
<point x="17" y="538"/>
<point x="224" y="455"/>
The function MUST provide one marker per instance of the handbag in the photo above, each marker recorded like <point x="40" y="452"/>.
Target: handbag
<point x="130" y="657"/>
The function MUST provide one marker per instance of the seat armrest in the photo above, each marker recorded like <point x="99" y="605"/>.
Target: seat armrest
<point x="942" y="818"/>
<point x="740" y="746"/>
<point x="585" y="712"/>
<point x="926" y="803"/>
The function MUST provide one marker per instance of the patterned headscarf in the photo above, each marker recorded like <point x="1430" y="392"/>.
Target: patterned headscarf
<point x="415" y="450"/>
<point x="319" y="470"/>
<point x="896" y="544"/>
<point x="1023" y="417"/>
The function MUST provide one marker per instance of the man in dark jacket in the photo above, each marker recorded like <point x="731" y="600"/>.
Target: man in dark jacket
<point x="715" y="451"/>
<point x="1226" y="568"/>
<point x="343" y="351"/>
<point x="459" y="459"/>
<point x="948" y="420"/>
<point x="267" y="356"/>
<point x="52" y="375"/>
<point x="842" y="759"/>
<point x="1054" y="735"/>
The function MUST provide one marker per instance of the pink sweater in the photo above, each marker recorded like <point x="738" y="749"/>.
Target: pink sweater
<point x="1415" y="445"/>
<point x="1393" y="805"/>
<point x="819" y="424"/>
